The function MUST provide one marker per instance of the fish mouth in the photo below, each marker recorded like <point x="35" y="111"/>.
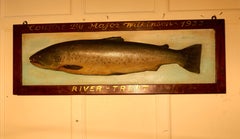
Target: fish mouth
<point x="35" y="62"/>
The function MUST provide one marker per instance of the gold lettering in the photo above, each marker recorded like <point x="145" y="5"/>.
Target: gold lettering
<point x="80" y="88"/>
<point x="92" y="88"/>
<point x="145" y="87"/>
<point x="85" y="88"/>
<point x="131" y="88"/>
<point x="93" y="25"/>
<point x="74" y="89"/>
<point x="98" y="88"/>
<point x="114" y="25"/>
<point x="76" y="26"/>
<point x="30" y="27"/>
<point x="38" y="28"/>
<point x="49" y="27"/>
<point x="135" y="24"/>
<point x="103" y="26"/>
<point x="114" y="88"/>
<point x="188" y="23"/>
<point x="122" y="88"/>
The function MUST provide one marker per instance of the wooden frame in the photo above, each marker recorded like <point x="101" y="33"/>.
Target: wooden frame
<point x="25" y="37"/>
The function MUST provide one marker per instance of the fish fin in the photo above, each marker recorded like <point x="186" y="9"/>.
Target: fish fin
<point x="117" y="39"/>
<point x="72" y="67"/>
<point x="165" y="46"/>
<point x="192" y="55"/>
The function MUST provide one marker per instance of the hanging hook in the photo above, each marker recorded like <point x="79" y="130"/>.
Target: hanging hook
<point x="163" y="15"/>
<point x="214" y="17"/>
<point x="25" y="22"/>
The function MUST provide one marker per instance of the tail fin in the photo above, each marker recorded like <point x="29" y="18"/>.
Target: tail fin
<point x="192" y="55"/>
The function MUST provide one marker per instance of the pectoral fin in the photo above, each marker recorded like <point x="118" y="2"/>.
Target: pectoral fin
<point x="72" y="67"/>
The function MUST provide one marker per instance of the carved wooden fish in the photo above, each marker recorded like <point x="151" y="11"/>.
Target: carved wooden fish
<point x="113" y="55"/>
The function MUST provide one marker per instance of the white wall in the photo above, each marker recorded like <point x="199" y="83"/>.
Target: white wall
<point x="209" y="116"/>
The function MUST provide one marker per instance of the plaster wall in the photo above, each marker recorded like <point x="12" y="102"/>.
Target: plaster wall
<point x="210" y="116"/>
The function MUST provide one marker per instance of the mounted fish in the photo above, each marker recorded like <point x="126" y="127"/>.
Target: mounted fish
<point x="113" y="56"/>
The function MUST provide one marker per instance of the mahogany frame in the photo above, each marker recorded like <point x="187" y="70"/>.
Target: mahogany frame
<point x="112" y="89"/>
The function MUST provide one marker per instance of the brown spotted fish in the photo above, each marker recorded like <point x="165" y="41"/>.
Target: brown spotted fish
<point x="111" y="56"/>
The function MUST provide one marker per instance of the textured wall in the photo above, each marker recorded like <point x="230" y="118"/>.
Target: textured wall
<point x="119" y="117"/>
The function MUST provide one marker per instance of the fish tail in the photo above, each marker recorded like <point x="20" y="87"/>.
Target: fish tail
<point x="192" y="56"/>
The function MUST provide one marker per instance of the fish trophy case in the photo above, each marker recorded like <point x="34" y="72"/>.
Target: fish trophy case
<point x="115" y="58"/>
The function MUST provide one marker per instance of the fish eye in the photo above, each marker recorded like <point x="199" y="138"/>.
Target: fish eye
<point x="37" y="56"/>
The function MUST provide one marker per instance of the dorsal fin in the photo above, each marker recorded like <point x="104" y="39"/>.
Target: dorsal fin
<point x="118" y="39"/>
<point x="165" y="46"/>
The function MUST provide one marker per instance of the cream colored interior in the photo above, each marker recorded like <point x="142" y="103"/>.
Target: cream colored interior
<point x="205" y="116"/>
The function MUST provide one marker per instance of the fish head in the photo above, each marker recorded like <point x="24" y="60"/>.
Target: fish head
<point x="46" y="58"/>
